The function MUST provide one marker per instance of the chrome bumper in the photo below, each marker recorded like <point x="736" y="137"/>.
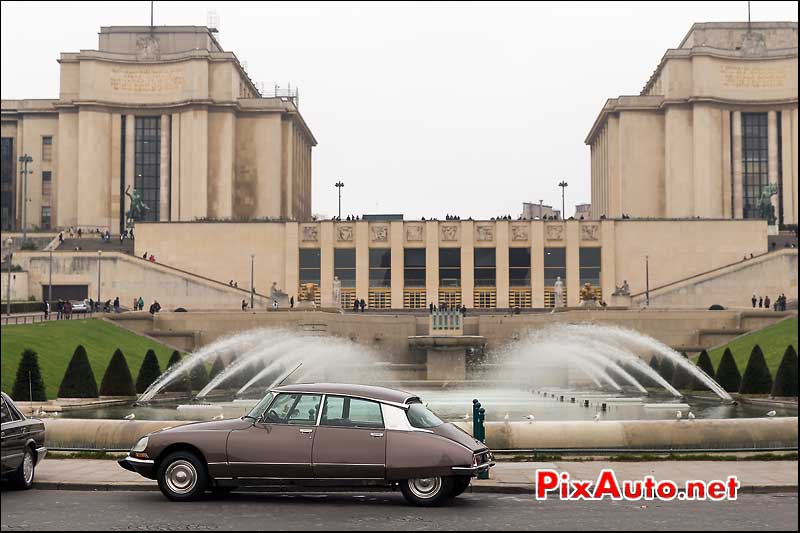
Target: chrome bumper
<point x="473" y="469"/>
<point x="143" y="467"/>
<point x="41" y="452"/>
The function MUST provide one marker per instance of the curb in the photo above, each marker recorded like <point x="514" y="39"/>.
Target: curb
<point x="474" y="489"/>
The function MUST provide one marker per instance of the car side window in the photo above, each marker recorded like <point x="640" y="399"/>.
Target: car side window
<point x="6" y="413"/>
<point x="279" y="410"/>
<point x="305" y="411"/>
<point x="351" y="412"/>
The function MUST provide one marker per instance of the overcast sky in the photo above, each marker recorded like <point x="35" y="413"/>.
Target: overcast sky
<point x="420" y="109"/>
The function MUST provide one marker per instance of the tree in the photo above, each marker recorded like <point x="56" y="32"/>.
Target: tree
<point x="217" y="367"/>
<point x="198" y="376"/>
<point x="704" y="364"/>
<point x="117" y="380"/>
<point x="654" y="363"/>
<point x="29" y="385"/>
<point x="666" y="369"/>
<point x="756" y="378"/>
<point x="174" y="358"/>
<point x="148" y="372"/>
<point x="79" y="379"/>
<point x="180" y="383"/>
<point x="728" y="375"/>
<point x="682" y="378"/>
<point x="786" y="377"/>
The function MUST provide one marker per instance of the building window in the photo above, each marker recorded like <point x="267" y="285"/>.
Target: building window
<point x="755" y="164"/>
<point x="309" y="274"/>
<point x="484" y="267"/>
<point x="147" y="164"/>
<point x="380" y="268"/>
<point x="344" y="266"/>
<point x="45" y="217"/>
<point x="47" y="148"/>
<point x="47" y="180"/>
<point x="7" y="172"/>
<point x="590" y="267"/>
<point x="519" y="267"/>
<point x="414" y="267"/>
<point x="450" y="267"/>
<point x="555" y="266"/>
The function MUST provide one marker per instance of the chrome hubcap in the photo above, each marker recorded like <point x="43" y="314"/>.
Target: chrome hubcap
<point x="425" y="487"/>
<point x="180" y="477"/>
<point x="27" y="468"/>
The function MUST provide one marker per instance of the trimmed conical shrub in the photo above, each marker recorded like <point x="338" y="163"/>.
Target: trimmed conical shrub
<point x="174" y="358"/>
<point x="117" y="380"/>
<point x="180" y="383"/>
<point x="654" y="363"/>
<point x="704" y="364"/>
<point x="666" y="369"/>
<point x="728" y="375"/>
<point x="29" y="385"/>
<point x="756" y="378"/>
<point x="217" y="367"/>
<point x="198" y="377"/>
<point x="79" y="379"/>
<point x="786" y="377"/>
<point x="682" y="378"/>
<point x="148" y="372"/>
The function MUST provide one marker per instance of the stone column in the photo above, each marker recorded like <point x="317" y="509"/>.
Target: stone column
<point x="501" y="262"/>
<point x="432" y="262"/>
<point x="164" y="170"/>
<point x="396" y="240"/>
<point x="362" y="260"/>
<point x="537" y="263"/>
<point x="738" y="173"/>
<point x="608" y="259"/>
<point x="467" y="263"/>
<point x="573" y="243"/>
<point x="727" y="171"/>
<point x="175" y="192"/>
<point x="772" y="152"/>
<point x="130" y="157"/>
<point x="291" y="272"/>
<point x="326" y="264"/>
<point x="116" y="177"/>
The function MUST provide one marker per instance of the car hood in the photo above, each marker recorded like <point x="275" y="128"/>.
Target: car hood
<point x="454" y="433"/>
<point x="213" y="425"/>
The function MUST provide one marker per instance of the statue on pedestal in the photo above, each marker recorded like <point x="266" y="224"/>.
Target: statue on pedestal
<point x="588" y="296"/>
<point x="623" y="290"/>
<point x="138" y="207"/>
<point x="765" y="207"/>
<point x="558" y="286"/>
<point x="337" y="291"/>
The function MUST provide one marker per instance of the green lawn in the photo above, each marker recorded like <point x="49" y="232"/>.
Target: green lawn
<point x="56" y="341"/>
<point x="773" y="341"/>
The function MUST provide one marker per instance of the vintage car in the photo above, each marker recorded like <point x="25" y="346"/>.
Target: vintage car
<point x="318" y="435"/>
<point x="22" y="444"/>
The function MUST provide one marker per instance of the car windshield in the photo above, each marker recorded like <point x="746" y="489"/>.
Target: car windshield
<point x="421" y="417"/>
<point x="261" y="406"/>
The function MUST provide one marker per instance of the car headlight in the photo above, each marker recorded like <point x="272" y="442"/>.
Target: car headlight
<point x="141" y="445"/>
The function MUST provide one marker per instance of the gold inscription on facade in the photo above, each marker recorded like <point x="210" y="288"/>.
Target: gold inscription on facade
<point x="751" y="77"/>
<point x="146" y="80"/>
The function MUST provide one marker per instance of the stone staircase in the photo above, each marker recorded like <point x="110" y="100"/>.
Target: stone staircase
<point x="94" y="243"/>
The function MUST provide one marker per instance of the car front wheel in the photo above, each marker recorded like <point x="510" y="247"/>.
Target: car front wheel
<point x="23" y="477"/>
<point x="427" y="491"/>
<point x="182" y="476"/>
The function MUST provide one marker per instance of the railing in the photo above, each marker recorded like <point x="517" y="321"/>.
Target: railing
<point x="15" y="320"/>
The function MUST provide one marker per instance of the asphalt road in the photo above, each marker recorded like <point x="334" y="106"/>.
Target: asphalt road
<point x="56" y="509"/>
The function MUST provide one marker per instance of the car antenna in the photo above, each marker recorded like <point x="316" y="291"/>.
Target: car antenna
<point x="289" y="374"/>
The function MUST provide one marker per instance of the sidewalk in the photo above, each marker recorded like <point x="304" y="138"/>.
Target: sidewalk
<point x="506" y="477"/>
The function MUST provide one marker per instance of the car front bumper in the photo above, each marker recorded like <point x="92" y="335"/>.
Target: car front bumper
<point x="143" y="467"/>
<point x="473" y="470"/>
<point x="41" y="452"/>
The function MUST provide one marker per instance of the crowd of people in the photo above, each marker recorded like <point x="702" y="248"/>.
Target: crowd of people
<point x="764" y="302"/>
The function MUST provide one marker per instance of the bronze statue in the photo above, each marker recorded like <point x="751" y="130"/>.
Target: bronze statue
<point x="765" y="208"/>
<point x="138" y="207"/>
<point x="587" y="293"/>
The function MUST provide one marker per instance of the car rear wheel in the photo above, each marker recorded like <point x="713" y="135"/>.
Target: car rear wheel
<point x="460" y="484"/>
<point x="182" y="476"/>
<point x="427" y="491"/>
<point x="23" y="477"/>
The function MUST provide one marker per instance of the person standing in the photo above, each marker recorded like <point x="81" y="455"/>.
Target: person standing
<point x="355" y="305"/>
<point x="244" y="305"/>
<point x="291" y="302"/>
<point x="274" y="304"/>
<point x="755" y="301"/>
<point x="116" y="304"/>
<point x="431" y="307"/>
<point x="141" y="303"/>
<point x="766" y="302"/>
<point x="363" y="305"/>
<point x="760" y="303"/>
<point x="46" y="310"/>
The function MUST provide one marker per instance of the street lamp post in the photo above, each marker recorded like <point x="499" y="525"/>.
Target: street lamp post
<point x="99" y="257"/>
<point x="252" y="288"/>
<point x="541" y="209"/>
<point x="25" y="159"/>
<point x="50" y="279"/>
<point x="339" y="185"/>
<point x="563" y="184"/>
<point x="9" y="242"/>
<point x="647" y="279"/>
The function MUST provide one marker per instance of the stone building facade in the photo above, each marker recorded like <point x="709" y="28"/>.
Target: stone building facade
<point x="163" y="110"/>
<point x="715" y="124"/>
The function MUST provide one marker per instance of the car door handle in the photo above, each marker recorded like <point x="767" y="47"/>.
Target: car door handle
<point x="306" y="431"/>
<point x="376" y="435"/>
<point x="25" y="430"/>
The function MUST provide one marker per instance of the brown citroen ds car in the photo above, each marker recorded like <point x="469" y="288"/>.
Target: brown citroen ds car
<point x="320" y="435"/>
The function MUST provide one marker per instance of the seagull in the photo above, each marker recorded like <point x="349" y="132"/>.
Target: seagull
<point x="690" y="416"/>
<point x="130" y="416"/>
<point x="529" y="418"/>
<point x="218" y="417"/>
<point x="596" y="417"/>
<point x="772" y="413"/>
<point x="678" y="415"/>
